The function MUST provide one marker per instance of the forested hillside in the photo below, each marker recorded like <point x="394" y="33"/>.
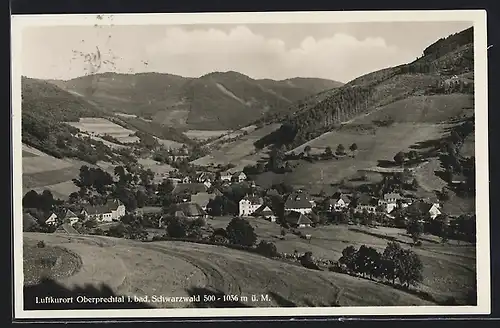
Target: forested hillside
<point x="217" y="101"/>
<point x="444" y="68"/>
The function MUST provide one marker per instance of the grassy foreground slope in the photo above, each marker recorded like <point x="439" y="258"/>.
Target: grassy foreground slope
<point x="183" y="269"/>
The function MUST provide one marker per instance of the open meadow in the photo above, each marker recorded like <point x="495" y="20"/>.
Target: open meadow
<point x="205" y="134"/>
<point x="102" y="126"/>
<point x="449" y="270"/>
<point x="240" y="152"/>
<point x="182" y="269"/>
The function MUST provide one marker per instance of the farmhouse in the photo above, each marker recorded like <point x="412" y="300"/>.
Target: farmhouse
<point x="298" y="202"/>
<point x="190" y="210"/>
<point x="205" y="176"/>
<point x="432" y="209"/>
<point x="202" y="199"/>
<point x="70" y="217"/>
<point x="297" y="219"/>
<point x="226" y="176"/>
<point x="266" y="212"/>
<point x="112" y="210"/>
<point x="339" y="202"/>
<point x="390" y="201"/>
<point x="51" y="219"/>
<point x="249" y="204"/>
<point x="366" y="203"/>
<point x="186" y="180"/>
<point x="239" y="177"/>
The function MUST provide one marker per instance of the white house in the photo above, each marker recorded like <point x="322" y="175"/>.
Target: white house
<point x="339" y="203"/>
<point x="298" y="202"/>
<point x="186" y="180"/>
<point x="390" y="201"/>
<point x="226" y="176"/>
<point x="51" y="219"/>
<point x="112" y="210"/>
<point x="70" y="217"/>
<point x="249" y="204"/>
<point x="239" y="176"/>
<point x="366" y="203"/>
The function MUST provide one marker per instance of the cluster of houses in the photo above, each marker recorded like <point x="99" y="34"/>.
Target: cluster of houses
<point x="111" y="211"/>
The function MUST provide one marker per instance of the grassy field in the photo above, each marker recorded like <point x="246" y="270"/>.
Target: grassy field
<point x="373" y="145"/>
<point x="240" y="152"/>
<point x="449" y="270"/>
<point x="183" y="269"/>
<point x="42" y="171"/>
<point x="102" y="126"/>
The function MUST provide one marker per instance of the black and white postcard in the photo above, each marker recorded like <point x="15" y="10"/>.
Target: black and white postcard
<point x="250" y="164"/>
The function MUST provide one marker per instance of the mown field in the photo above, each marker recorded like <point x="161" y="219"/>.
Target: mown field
<point x="449" y="270"/>
<point x="240" y="152"/>
<point x="205" y="134"/>
<point x="102" y="126"/>
<point x="160" y="170"/>
<point x="41" y="171"/>
<point x="183" y="269"/>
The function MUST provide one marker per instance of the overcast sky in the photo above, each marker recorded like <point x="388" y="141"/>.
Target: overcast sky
<point x="339" y="52"/>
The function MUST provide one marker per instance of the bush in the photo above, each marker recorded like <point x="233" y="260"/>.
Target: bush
<point x="176" y="229"/>
<point x="240" y="232"/>
<point x="40" y="244"/>
<point x="267" y="248"/>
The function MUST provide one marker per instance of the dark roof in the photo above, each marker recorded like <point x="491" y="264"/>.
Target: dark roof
<point x="29" y="221"/>
<point x="253" y="199"/>
<point x="238" y="173"/>
<point x="190" y="209"/>
<point x="424" y="207"/>
<point x="338" y="196"/>
<point x="67" y="228"/>
<point x="264" y="210"/>
<point x="179" y="214"/>
<point x="69" y="214"/>
<point x="217" y="192"/>
<point x="101" y="209"/>
<point x="192" y="188"/>
<point x="367" y="200"/>
<point x="392" y="195"/>
<point x="297" y="218"/>
<point x="297" y="200"/>
<point x="458" y="178"/>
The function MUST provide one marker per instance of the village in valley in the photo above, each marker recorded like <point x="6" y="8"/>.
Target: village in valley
<point x="334" y="193"/>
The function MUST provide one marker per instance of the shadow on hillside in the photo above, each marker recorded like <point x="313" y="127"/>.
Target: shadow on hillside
<point x="387" y="164"/>
<point x="77" y="298"/>
<point x="281" y="301"/>
<point x="381" y="236"/>
<point x="431" y="143"/>
<point x="213" y="299"/>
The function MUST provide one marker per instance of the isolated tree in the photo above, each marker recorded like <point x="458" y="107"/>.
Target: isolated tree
<point x="399" y="158"/>
<point x="340" y="149"/>
<point x="353" y="147"/>
<point x="240" y="232"/>
<point x="267" y="248"/>
<point x="413" y="155"/>
<point x="328" y="151"/>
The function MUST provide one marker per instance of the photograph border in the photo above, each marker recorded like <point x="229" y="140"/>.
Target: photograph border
<point x="477" y="17"/>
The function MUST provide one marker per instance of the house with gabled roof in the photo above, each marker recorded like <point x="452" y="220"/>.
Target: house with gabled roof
<point x="226" y="176"/>
<point x="112" y="210"/>
<point x="297" y="219"/>
<point x="431" y="209"/>
<point x="339" y="202"/>
<point x="266" y="212"/>
<point x="50" y="219"/>
<point x="366" y="203"/>
<point x="390" y="201"/>
<point x="70" y="217"/>
<point x="190" y="210"/>
<point x="239" y="176"/>
<point x="298" y="202"/>
<point x="249" y="204"/>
